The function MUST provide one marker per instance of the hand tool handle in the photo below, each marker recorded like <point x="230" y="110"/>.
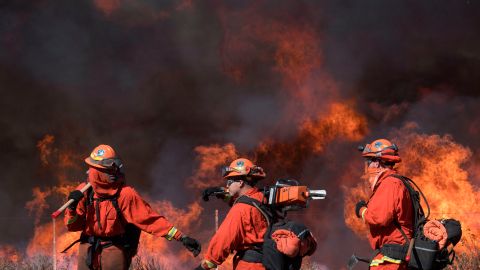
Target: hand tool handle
<point x="60" y="210"/>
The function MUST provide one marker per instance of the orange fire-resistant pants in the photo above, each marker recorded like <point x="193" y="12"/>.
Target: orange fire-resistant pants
<point x="110" y="258"/>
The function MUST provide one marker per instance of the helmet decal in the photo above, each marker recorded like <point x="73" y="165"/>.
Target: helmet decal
<point x="101" y="156"/>
<point x="240" y="163"/>
<point x="100" y="152"/>
<point x="378" y="144"/>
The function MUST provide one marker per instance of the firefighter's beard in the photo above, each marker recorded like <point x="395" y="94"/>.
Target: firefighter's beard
<point x="372" y="173"/>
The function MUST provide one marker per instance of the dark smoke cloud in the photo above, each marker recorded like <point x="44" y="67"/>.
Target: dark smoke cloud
<point x="155" y="87"/>
<point x="390" y="53"/>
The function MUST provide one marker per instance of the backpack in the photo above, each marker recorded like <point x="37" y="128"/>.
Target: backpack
<point x="422" y="252"/>
<point x="129" y="240"/>
<point x="268" y="253"/>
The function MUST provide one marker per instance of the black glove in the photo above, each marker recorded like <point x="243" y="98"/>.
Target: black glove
<point x="76" y="195"/>
<point x="192" y="245"/>
<point x="212" y="190"/>
<point x="359" y="206"/>
<point x="199" y="268"/>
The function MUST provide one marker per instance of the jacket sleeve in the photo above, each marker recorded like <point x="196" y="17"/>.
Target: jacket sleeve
<point x="75" y="220"/>
<point x="381" y="208"/>
<point x="228" y="237"/>
<point x="138" y="212"/>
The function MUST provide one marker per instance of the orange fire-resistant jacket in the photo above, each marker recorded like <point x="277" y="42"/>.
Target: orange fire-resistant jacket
<point x="390" y="202"/>
<point x="134" y="210"/>
<point x="243" y="227"/>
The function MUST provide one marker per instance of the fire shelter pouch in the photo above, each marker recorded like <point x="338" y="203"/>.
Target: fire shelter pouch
<point x="423" y="254"/>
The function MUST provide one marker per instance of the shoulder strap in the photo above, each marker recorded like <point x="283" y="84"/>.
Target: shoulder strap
<point x="415" y="195"/>
<point x="117" y="208"/>
<point x="113" y="199"/>
<point x="415" y="204"/>
<point x="89" y="197"/>
<point x="419" y="216"/>
<point x="257" y="204"/>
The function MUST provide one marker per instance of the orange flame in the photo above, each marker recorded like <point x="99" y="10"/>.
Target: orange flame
<point x="10" y="254"/>
<point x="341" y="121"/>
<point x="45" y="148"/>
<point x="152" y="250"/>
<point x="297" y="52"/>
<point x="41" y="243"/>
<point x="155" y="250"/>
<point x="39" y="203"/>
<point x="211" y="158"/>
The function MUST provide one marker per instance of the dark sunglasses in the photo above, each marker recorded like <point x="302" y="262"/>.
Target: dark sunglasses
<point x="233" y="180"/>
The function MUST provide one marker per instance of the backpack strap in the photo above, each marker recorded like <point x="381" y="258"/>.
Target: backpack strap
<point x="419" y="214"/>
<point x="266" y="213"/>
<point x="113" y="199"/>
<point x="255" y="253"/>
<point x="117" y="208"/>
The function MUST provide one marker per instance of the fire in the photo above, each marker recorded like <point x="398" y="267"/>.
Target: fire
<point x="45" y="148"/>
<point x="435" y="163"/>
<point x="61" y="162"/>
<point x="41" y="243"/>
<point x="38" y="204"/>
<point x="210" y="160"/>
<point x="341" y="121"/>
<point x="152" y="249"/>
<point x="297" y="53"/>
<point x="9" y="253"/>
<point x="293" y="48"/>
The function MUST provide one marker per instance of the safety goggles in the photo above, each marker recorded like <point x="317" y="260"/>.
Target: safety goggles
<point x="109" y="162"/>
<point x="367" y="148"/>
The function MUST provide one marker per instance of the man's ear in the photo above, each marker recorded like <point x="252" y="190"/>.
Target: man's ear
<point x="242" y="183"/>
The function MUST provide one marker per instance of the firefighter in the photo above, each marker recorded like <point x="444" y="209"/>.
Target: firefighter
<point x="244" y="226"/>
<point x="111" y="216"/>
<point x="389" y="211"/>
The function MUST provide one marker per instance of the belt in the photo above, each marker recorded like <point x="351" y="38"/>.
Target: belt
<point x="250" y="255"/>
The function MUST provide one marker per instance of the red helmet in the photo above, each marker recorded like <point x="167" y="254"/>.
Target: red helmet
<point x="243" y="167"/>
<point x="103" y="157"/>
<point x="381" y="149"/>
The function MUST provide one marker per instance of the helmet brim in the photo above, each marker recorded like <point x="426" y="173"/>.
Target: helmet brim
<point x="93" y="163"/>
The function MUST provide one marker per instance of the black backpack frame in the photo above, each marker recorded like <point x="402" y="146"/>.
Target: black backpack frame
<point x="425" y="254"/>
<point x="267" y="253"/>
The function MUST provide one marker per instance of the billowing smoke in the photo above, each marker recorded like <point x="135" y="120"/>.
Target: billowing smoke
<point x="181" y="87"/>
